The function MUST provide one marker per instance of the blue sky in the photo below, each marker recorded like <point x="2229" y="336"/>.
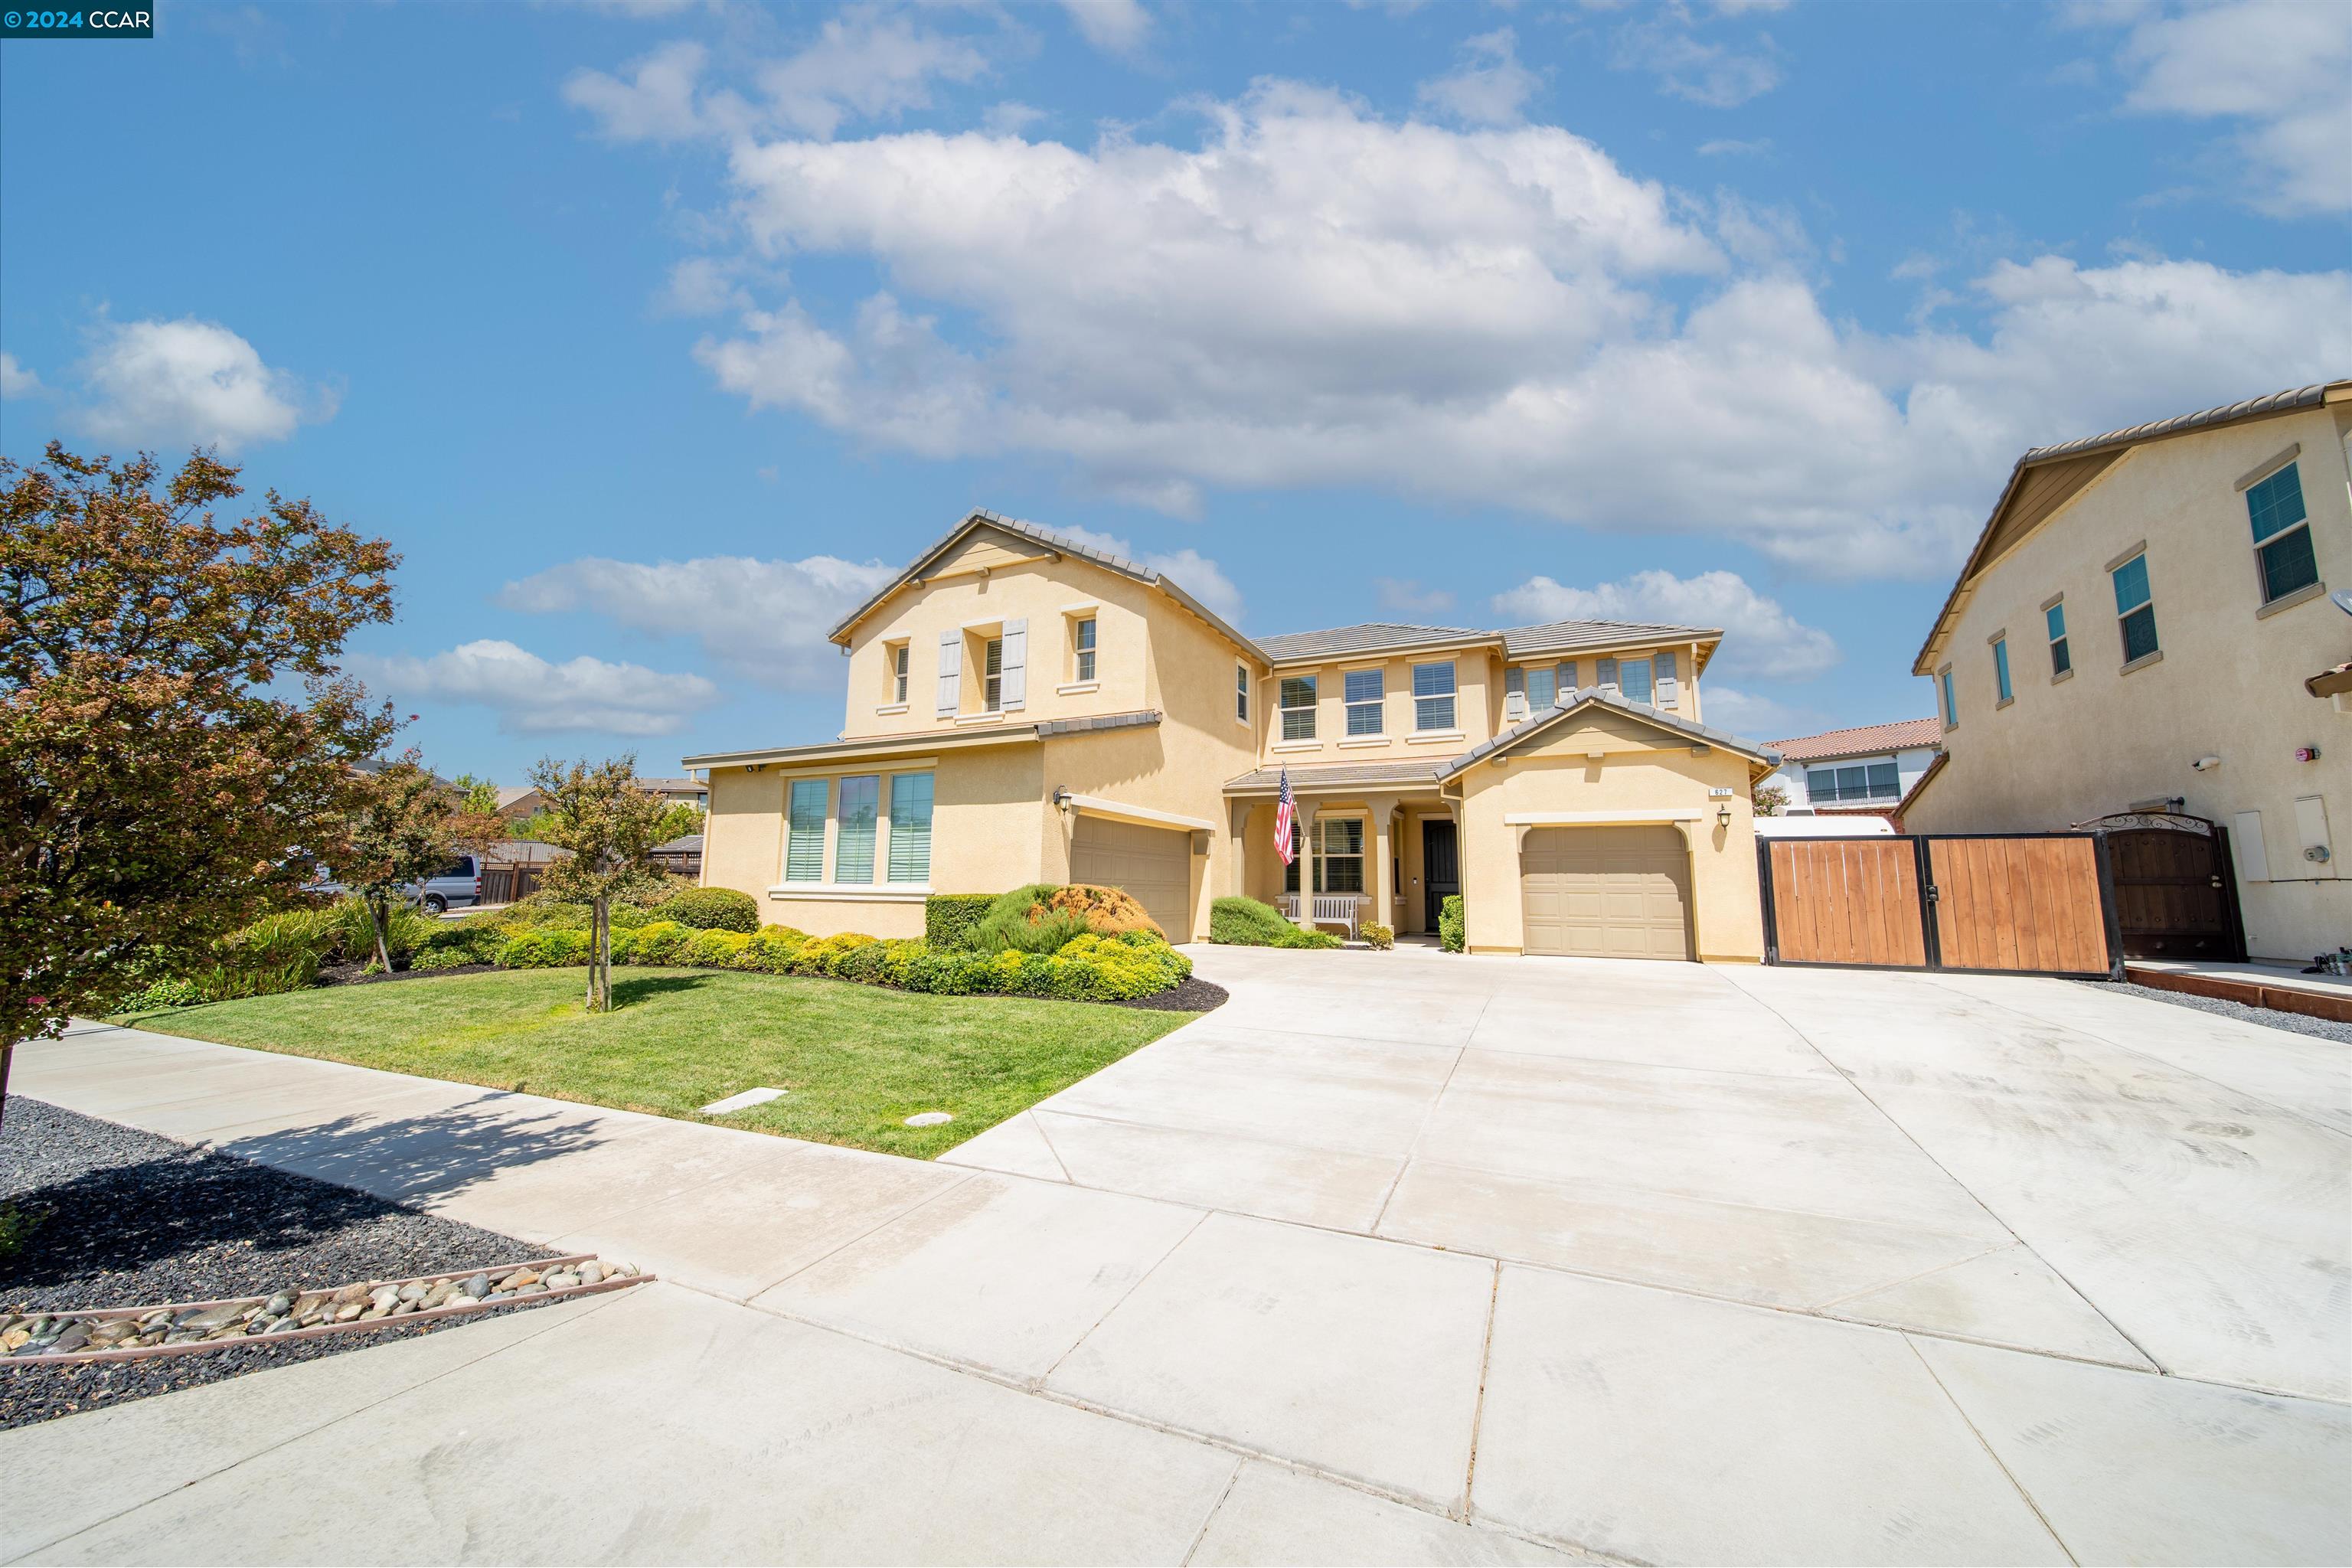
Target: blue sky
<point x="654" y="334"/>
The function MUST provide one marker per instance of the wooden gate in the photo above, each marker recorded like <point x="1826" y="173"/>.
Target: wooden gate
<point x="2176" y="890"/>
<point x="2016" y="904"/>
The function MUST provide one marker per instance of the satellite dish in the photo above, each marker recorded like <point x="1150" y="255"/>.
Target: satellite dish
<point x="2342" y="600"/>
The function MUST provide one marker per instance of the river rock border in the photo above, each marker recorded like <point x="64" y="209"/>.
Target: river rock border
<point x="177" y="1328"/>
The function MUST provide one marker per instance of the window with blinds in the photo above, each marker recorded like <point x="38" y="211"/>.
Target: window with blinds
<point x="992" y="678"/>
<point x="852" y="842"/>
<point x="1298" y="708"/>
<point x="2282" y="534"/>
<point x="1085" y="670"/>
<point x="1366" y="689"/>
<point x="910" y="827"/>
<point x="1341" y="868"/>
<point x="2134" y="608"/>
<point x="1633" y="680"/>
<point x="805" y="832"/>
<point x="1432" y="696"/>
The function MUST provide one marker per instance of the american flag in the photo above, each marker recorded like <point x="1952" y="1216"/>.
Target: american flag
<point x="1285" y="812"/>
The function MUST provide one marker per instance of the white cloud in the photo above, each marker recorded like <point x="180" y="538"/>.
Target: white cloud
<point x="1747" y="714"/>
<point x="15" y="381"/>
<point x="866" y="65"/>
<point x="1665" y="43"/>
<point x="534" y="697"/>
<point x="1009" y="118"/>
<point x="1407" y="595"/>
<point x="1490" y="87"/>
<point x="189" y="380"/>
<point x="704" y="286"/>
<point x="2278" y="68"/>
<point x="1726" y="148"/>
<point x="1118" y="27"/>
<point x="656" y="104"/>
<point x="1312" y="296"/>
<point x="1188" y="568"/>
<point x="1758" y="637"/>
<point x="764" y="620"/>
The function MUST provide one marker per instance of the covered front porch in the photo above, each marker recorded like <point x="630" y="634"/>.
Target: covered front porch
<point x="1373" y="843"/>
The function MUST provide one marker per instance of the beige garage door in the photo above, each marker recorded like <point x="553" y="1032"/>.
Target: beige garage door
<point x="1606" y="892"/>
<point x="1155" y="864"/>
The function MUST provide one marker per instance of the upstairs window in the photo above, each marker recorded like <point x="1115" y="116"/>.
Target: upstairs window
<point x="2282" y="534"/>
<point x="1367" y="689"/>
<point x="1432" y="696"/>
<point x="2134" y="608"/>
<point x="1547" y="683"/>
<point x="1634" y="680"/>
<point x="1084" y="643"/>
<point x="1241" y="693"/>
<point x="991" y="686"/>
<point x="1951" y="709"/>
<point x="805" y="832"/>
<point x="1297" y="707"/>
<point x="2059" y="660"/>
<point x="2000" y="667"/>
<point x="898" y="673"/>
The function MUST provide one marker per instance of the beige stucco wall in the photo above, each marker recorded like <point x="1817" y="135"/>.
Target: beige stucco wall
<point x="1640" y="769"/>
<point x="2230" y="684"/>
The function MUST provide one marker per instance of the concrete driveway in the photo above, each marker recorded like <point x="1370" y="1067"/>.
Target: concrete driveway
<point x="1396" y="1258"/>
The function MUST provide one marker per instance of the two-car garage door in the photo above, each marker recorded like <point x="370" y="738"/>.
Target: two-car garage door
<point x="1606" y="892"/>
<point x="1154" y="864"/>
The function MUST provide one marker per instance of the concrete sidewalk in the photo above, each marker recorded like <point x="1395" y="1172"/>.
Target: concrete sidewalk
<point x="1262" y="1294"/>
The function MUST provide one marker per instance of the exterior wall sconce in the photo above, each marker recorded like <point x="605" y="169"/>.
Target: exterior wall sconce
<point x="1723" y="815"/>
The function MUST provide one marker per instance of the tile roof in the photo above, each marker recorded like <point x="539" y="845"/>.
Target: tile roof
<point x="1099" y="721"/>
<point x="1900" y="736"/>
<point x="1552" y="637"/>
<point x="922" y="740"/>
<point x="1311" y="777"/>
<point x="2310" y="396"/>
<point x="1594" y="695"/>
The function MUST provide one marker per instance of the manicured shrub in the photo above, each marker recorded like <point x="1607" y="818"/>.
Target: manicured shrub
<point x="713" y="909"/>
<point x="545" y="947"/>
<point x="866" y="963"/>
<point x="157" y="995"/>
<point x="405" y="930"/>
<point x="772" y="949"/>
<point x="947" y="918"/>
<point x="1038" y="929"/>
<point x="442" y="958"/>
<point x="663" y="942"/>
<point x="1449" y="923"/>
<point x="1377" y="936"/>
<point x="654" y="894"/>
<point x="476" y="938"/>
<point x="1246" y="922"/>
<point x="822" y="955"/>
<point x="714" y="948"/>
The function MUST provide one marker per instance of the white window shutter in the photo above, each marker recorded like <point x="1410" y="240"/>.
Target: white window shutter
<point x="950" y="667"/>
<point x="1604" y="675"/>
<point x="1515" y="694"/>
<point x="1014" y="665"/>
<point x="1666" y="687"/>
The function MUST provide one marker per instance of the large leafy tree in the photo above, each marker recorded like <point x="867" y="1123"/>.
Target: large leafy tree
<point x="175" y="745"/>
<point x="612" y="827"/>
<point x="405" y="824"/>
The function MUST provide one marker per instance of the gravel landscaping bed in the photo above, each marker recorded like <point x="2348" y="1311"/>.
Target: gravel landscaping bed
<point x="127" y="1219"/>
<point x="2269" y="1017"/>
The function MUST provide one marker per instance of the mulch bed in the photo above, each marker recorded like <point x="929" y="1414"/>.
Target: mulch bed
<point x="1192" y="996"/>
<point x="357" y="974"/>
<point x="127" y="1218"/>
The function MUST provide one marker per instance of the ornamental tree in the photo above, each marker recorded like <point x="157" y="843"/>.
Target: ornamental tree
<point x="175" y="744"/>
<point x="612" y="828"/>
<point x="405" y="826"/>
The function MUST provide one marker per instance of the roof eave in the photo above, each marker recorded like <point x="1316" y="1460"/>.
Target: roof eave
<point x="1528" y="729"/>
<point x="1382" y="650"/>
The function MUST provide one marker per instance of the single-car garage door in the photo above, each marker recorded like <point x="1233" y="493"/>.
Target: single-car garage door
<point x="1155" y="864"/>
<point x="1606" y="892"/>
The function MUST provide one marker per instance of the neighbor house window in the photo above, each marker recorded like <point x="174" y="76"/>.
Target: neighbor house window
<point x="910" y="827"/>
<point x="1297" y="707"/>
<point x="853" y="838"/>
<point x="1432" y="696"/>
<point x="2134" y="609"/>
<point x="2282" y="534"/>
<point x="2000" y="667"/>
<point x="1341" y="867"/>
<point x="1086" y="649"/>
<point x="1951" y="709"/>
<point x="992" y="685"/>
<point x="805" y="832"/>
<point x="1365" y="691"/>
<point x="1241" y="693"/>
<point x="1633" y="680"/>
<point x="1852" y="782"/>
<point x="2054" y="618"/>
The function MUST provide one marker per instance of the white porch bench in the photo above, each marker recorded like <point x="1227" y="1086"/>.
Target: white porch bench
<point x="1327" y="908"/>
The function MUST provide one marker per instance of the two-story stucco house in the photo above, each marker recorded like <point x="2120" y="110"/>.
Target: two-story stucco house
<point x="2136" y="632"/>
<point x="1024" y="708"/>
<point x="1864" y="771"/>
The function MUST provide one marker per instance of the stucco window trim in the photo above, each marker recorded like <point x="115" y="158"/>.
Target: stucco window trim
<point x="2123" y="558"/>
<point x="2270" y="466"/>
<point x="1358" y="742"/>
<point x="2066" y="674"/>
<point x="2303" y="594"/>
<point x="2143" y="661"/>
<point x="985" y="716"/>
<point x="2004" y="702"/>
<point x="851" y="893"/>
<point x="1296" y="746"/>
<point x="889" y="707"/>
<point x="1434" y="737"/>
<point x="1077" y="688"/>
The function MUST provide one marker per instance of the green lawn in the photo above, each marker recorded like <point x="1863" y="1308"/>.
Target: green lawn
<point x="857" y="1059"/>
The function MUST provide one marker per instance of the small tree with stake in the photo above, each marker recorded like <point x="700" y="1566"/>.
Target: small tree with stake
<point x="612" y="827"/>
<point x="405" y="827"/>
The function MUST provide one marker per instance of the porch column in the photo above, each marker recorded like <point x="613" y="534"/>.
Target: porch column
<point x="1238" y="813"/>
<point x="1306" y="814"/>
<point x="1379" y="812"/>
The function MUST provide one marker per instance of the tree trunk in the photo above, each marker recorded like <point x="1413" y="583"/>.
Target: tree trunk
<point x="600" y="994"/>
<point x="605" y="953"/>
<point x="376" y="918"/>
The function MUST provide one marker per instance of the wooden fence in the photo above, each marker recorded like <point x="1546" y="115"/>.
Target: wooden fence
<point x="2017" y="904"/>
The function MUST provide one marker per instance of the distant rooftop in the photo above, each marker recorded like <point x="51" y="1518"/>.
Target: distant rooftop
<point x="1903" y="734"/>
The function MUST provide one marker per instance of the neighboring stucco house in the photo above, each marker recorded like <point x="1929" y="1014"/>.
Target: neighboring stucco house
<point x="1866" y="770"/>
<point x="2134" y="632"/>
<point x="1025" y="708"/>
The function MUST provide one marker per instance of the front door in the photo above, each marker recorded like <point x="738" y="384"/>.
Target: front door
<point x="1441" y="868"/>
<point x="2173" y="897"/>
